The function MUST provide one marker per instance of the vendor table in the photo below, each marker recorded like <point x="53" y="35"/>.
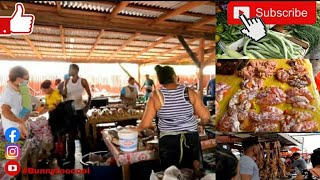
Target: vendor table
<point x="110" y="119"/>
<point x="124" y="159"/>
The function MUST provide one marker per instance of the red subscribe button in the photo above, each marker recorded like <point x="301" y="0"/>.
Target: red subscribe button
<point x="272" y="12"/>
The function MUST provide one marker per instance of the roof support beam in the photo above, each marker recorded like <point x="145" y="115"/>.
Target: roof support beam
<point x="189" y="51"/>
<point x="170" y="50"/>
<point x="58" y="7"/>
<point x="35" y="50"/>
<point x="62" y="41"/>
<point x="118" y="9"/>
<point x="151" y="46"/>
<point x="96" y="43"/>
<point x="181" y="56"/>
<point x="125" y="44"/>
<point x="203" y="22"/>
<point x="5" y="49"/>
<point x="180" y="10"/>
<point x="3" y="5"/>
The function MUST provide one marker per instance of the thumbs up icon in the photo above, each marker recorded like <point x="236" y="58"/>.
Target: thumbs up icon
<point x="19" y="23"/>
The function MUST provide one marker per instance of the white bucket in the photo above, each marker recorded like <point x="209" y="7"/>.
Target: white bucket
<point x="128" y="140"/>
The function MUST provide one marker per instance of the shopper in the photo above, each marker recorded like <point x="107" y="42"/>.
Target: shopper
<point x="314" y="173"/>
<point x="129" y="94"/>
<point x="52" y="96"/>
<point x="248" y="167"/>
<point x="175" y="106"/>
<point x="74" y="89"/>
<point x="299" y="163"/>
<point x="149" y="85"/>
<point x="94" y="90"/>
<point x="211" y="88"/>
<point x="227" y="166"/>
<point x="57" y="82"/>
<point x="11" y="101"/>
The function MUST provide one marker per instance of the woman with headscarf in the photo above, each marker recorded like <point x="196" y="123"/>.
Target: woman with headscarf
<point x="175" y="107"/>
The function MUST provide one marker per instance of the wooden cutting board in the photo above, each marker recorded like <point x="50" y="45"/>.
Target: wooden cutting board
<point x="234" y="81"/>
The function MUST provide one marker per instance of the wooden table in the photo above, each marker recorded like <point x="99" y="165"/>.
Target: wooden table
<point x="109" y="119"/>
<point x="124" y="159"/>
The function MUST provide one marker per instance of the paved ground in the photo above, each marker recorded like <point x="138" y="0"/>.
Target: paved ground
<point x="78" y="165"/>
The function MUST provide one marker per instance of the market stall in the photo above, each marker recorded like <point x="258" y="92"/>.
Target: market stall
<point x="146" y="147"/>
<point x="266" y="96"/>
<point x="270" y="147"/>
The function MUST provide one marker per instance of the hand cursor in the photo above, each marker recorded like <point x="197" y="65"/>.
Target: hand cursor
<point x="21" y="23"/>
<point x="254" y="27"/>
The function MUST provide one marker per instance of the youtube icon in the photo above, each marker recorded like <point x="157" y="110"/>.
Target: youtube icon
<point x="274" y="12"/>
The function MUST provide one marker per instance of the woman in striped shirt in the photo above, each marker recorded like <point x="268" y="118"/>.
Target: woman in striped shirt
<point x="175" y="106"/>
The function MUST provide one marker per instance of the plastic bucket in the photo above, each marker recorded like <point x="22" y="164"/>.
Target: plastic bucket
<point x="128" y="140"/>
<point x="100" y="172"/>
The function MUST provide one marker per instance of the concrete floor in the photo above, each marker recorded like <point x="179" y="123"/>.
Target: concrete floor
<point x="78" y="165"/>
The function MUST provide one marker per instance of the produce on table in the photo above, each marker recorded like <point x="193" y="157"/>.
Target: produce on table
<point x="274" y="46"/>
<point x="309" y="33"/>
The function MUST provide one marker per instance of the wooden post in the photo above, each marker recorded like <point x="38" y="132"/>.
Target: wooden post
<point x="139" y="74"/>
<point x="201" y="84"/>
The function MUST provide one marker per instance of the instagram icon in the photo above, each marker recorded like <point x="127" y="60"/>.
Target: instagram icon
<point x="12" y="151"/>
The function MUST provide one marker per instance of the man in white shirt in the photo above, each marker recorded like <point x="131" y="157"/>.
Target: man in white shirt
<point x="11" y="101"/>
<point x="248" y="167"/>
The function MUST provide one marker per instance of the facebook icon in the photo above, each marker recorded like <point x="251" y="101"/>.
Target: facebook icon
<point x="12" y="135"/>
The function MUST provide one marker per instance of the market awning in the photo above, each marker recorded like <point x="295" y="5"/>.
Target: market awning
<point x="103" y="31"/>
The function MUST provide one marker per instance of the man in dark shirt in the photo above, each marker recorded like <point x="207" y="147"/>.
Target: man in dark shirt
<point x="211" y="87"/>
<point x="148" y="84"/>
<point x="299" y="163"/>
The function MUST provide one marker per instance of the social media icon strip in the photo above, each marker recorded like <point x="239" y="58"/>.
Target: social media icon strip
<point x="12" y="135"/>
<point x="12" y="168"/>
<point x="12" y="151"/>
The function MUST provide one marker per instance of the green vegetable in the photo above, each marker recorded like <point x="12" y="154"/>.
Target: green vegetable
<point x="309" y="33"/>
<point x="233" y="54"/>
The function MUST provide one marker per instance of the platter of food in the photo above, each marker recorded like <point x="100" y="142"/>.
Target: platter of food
<point x="268" y="96"/>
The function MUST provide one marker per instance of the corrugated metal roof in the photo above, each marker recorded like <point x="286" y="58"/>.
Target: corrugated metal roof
<point x="79" y="40"/>
<point x="45" y="2"/>
<point x="46" y="30"/>
<point x="44" y="49"/>
<point x="127" y="52"/>
<point x="77" y="50"/>
<point x="103" y="51"/>
<point x="184" y="18"/>
<point x="166" y="45"/>
<point x="116" y="35"/>
<point x="88" y="5"/>
<point x="139" y="44"/>
<point x="43" y="44"/>
<point x="35" y="37"/>
<point x="161" y="4"/>
<point x="204" y="9"/>
<point x="137" y="49"/>
<point x="111" y="42"/>
<point x="78" y="46"/>
<point x="19" y="47"/>
<point x="81" y="33"/>
<point x="102" y="47"/>
<point x="144" y="37"/>
<point x="157" y="50"/>
<point x="140" y="12"/>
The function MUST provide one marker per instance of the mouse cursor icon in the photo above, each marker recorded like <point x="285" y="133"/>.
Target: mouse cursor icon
<point x="254" y="27"/>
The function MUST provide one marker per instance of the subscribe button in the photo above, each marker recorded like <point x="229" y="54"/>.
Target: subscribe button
<point x="272" y="12"/>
